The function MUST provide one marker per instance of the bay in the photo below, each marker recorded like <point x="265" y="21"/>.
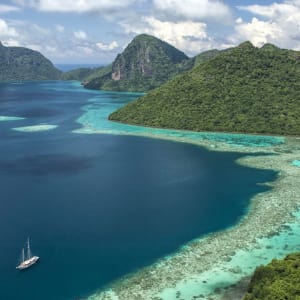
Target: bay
<point x="98" y="207"/>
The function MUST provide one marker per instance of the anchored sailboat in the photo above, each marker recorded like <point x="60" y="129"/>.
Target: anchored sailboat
<point x="27" y="259"/>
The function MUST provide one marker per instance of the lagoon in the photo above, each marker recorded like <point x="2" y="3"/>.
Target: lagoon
<point x="101" y="205"/>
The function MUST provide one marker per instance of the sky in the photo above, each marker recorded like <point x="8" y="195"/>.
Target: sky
<point x="95" y="31"/>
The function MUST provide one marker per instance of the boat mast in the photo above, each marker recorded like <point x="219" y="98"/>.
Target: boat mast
<point x="28" y="249"/>
<point x="23" y="255"/>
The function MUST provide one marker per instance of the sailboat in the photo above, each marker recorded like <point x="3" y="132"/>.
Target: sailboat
<point x="27" y="259"/>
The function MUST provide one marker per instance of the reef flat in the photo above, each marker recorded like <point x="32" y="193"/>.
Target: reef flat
<point x="296" y="163"/>
<point x="218" y="265"/>
<point x="210" y="267"/>
<point x="95" y="120"/>
<point x="35" y="128"/>
<point x="10" y="118"/>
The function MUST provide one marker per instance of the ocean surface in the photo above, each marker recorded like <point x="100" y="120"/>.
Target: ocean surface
<point x="99" y="206"/>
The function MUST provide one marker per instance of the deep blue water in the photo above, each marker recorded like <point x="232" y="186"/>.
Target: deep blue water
<point x="100" y="206"/>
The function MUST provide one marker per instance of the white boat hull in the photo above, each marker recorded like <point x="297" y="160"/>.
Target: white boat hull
<point x="28" y="263"/>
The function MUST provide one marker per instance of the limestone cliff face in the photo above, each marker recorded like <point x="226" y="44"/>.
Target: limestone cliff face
<point x="144" y="57"/>
<point x="146" y="63"/>
<point x="17" y="63"/>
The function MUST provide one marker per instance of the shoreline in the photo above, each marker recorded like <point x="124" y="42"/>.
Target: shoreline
<point x="267" y="216"/>
<point x="224" y="132"/>
<point x="220" y="263"/>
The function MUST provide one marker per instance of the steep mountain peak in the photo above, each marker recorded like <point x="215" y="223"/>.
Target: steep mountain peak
<point x="269" y="47"/>
<point x="152" y="41"/>
<point x="205" y="56"/>
<point x="146" y="63"/>
<point x="144" y="36"/>
<point x="19" y="63"/>
<point x="141" y="56"/>
<point x="246" y="45"/>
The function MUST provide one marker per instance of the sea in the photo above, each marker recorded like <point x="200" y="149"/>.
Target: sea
<point x="99" y="206"/>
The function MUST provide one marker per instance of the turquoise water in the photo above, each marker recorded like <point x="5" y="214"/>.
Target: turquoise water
<point x="296" y="163"/>
<point x="241" y="264"/>
<point x="100" y="206"/>
<point x="99" y="107"/>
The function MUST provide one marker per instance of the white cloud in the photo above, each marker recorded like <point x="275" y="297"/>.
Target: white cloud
<point x="107" y="47"/>
<point x="79" y="6"/>
<point x="270" y="11"/>
<point x="60" y="28"/>
<point x="260" y="32"/>
<point x="11" y="43"/>
<point x="193" y="9"/>
<point x="7" y="31"/>
<point x="86" y="50"/>
<point x="35" y="47"/>
<point x="189" y="36"/>
<point x="40" y="30"/>
<point x="8" y="8"/>
<point x="50" y="49"/>
<point x="80" y="35"/>
<point x="280" y="24"/>
<point x="61" y="47"/>
<point x="239" y="21"/>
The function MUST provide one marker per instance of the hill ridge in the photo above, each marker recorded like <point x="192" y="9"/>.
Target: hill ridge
<point x="243" y="89"/>
<point x="20" y="63"/>
<point x="145" y="64"/>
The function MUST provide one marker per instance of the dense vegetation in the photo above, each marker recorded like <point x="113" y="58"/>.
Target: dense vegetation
<point x="145" y="64"/>
<point x="77" y="74"/>
<point x="243" y="89"/>
<point x="86" y="74"/>
<point x="134" y="73"/>
<point x="279" y="280"/>
<point x="205" y="56"/>
<point x="17" y="64"/>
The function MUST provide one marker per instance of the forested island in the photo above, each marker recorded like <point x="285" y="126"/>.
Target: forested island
<point x="146" y="63"/>
<point x="280" y="279"/>
<point x="19" y="64"/>
<point x="244" y="89"/>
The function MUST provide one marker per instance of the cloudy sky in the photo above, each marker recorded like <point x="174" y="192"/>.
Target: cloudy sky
<point x="94" y="31"/>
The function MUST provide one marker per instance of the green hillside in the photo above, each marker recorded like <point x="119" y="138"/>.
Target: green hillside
<point x="17" y="64"/>
<point x="279" y="280"/>
<point x="243" y="89"/>
<point x="86" y="74"/>
<point x="205" y="56"/>
<point x="77" y="74"/>
<point x="145" y="64"/>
